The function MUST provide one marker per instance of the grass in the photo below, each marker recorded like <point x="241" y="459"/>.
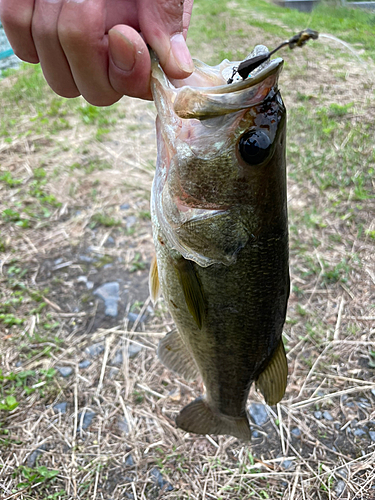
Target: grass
<point x="67" y="168"/>
<point x="224" y="22"/>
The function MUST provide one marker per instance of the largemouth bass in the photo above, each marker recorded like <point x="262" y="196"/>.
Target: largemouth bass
<point x="219" y="215"/>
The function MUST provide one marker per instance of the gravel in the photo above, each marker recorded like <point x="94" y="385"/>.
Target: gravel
<point x="258" y="413"/>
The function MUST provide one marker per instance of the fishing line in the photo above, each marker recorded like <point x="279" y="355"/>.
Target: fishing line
<point x="247" y="66"/>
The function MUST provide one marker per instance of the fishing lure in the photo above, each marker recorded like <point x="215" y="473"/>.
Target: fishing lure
<point x="247" y="66"/>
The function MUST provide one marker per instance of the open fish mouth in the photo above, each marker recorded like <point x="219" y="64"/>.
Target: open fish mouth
<point x="206" y="94"/>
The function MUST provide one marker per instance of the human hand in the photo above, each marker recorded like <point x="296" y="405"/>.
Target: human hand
<point x="98" y="48"/>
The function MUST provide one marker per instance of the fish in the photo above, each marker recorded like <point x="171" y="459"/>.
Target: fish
<point x="220" y="229"/>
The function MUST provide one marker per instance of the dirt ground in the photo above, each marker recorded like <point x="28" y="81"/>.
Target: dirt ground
<point x="105" y="419"/>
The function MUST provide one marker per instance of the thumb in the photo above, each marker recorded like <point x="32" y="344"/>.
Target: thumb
<point x="163" y="23"/>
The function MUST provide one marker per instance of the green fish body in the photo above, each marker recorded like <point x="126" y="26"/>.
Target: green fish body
<point x="219" y="215"/>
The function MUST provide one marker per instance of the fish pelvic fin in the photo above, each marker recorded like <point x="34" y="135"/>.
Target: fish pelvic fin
<point x="154" y="283"/>
<point x="198" y="417"/>
<point x="173" y="353"/>
<point x="272" y="381"/>
<point x="192" y="290"/>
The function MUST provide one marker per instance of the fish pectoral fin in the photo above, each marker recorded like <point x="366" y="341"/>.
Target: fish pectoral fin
<point x="219" y="237"/>
<point x="192" y="290"/>
<point x="154" y="283"/>
<point x="272" y="381"/>
<point x="199" y="418"/>
<point x="173" y="353"/>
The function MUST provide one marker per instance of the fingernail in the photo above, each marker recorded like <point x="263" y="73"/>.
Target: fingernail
<point x="181" y="53"/>
<point x="122" y="50"/>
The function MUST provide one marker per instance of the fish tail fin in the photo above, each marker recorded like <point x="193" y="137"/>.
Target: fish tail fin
<point x="199" y="418"/>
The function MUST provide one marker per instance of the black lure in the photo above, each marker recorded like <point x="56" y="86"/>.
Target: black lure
<point x="247" y="66"/>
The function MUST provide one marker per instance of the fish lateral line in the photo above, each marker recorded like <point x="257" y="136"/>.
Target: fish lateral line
<point x="248" y="65"/>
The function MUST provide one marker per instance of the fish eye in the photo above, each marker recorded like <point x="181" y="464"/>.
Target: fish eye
<point x="255" y="147"/>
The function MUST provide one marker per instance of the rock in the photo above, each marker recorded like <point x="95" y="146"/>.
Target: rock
<point x="123" y="425"/>
<point x="84" y="364"/>
<point x="113" y="372"/>
<point x="287" y="464"/>
<point x="327" y="415"/>
<point x="117" y="359"/>
<point x="110" y="293"/>
<point x="364" y="403"/>
<point x="339" y="487"/>
<point x="159" y="480"/>
<point x="32" y="458"/>
<point x="95" y="349"/>
<point x="129" y="461"/>
<point x="373" y="392"/>
<point x="18" y="364"/>
<point x="58" y="261"/>
<point x="65" y="371"/>
<point x="318" y="414"/>
<point x="255" y="434"/>
<point x="133" y="349"/>
<point x="132" y="317"/>
<point x="350" y="404"/>
<point x="124" y="206"/>
<point x="296" y="432"/>
<point x="110" y="242"/>
<point x="60" y="407"/>
<point x="342" y="472"/>
<point x="87" y="419"/>
<point x="85" y="258"/>
<point x="83" y="279"/>
<point x="372" y="435"/>
<point x="130" y="221"/>
<point x="359" y="432"/>
<point x="258" y="413"/>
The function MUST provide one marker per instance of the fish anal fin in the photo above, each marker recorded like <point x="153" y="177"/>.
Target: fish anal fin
<point x="154" y="283"/>
<point x="272" y="381"/>
<point x="198" y="417"/>
<point x="173" y="353"/>
<point x="192" y="290"/>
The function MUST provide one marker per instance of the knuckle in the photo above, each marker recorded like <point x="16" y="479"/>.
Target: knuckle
<point x="71" y="35"/>
<point x="173" y="11"/>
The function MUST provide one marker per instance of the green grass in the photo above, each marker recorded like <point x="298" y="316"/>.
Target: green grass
<point x="29" y="97"/>
<point x="210" y="22"/>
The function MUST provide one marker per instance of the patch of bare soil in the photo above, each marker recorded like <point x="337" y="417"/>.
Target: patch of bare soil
<point x="106" y="420"/>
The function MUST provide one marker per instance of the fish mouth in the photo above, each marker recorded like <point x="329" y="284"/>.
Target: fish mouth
<point x="206" y="94"/>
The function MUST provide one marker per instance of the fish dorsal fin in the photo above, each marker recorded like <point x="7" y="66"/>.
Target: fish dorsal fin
<point x="272" y="381"/>
<point x="173" y="353"/>
<point x="192" y="289"/>
<point x="154" y="283"/>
